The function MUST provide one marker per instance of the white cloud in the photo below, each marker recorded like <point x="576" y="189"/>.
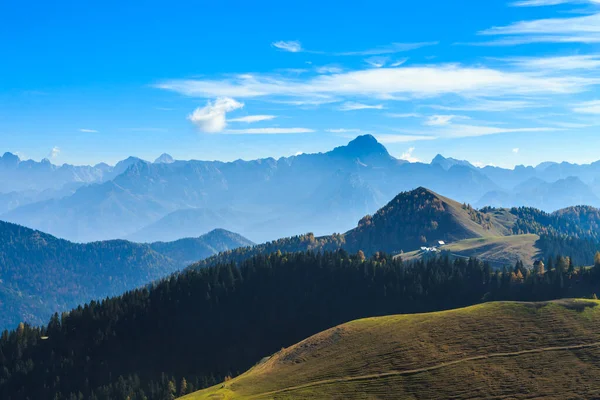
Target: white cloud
<point x="584" y="29"/>
<point x="463" y="131"/>
<point x="588" y="107"/>
<point x="403" y="115"/>
<point x="540" y="3"/>
<point x="329" y="69"/>
<point x="212" y="117"/>
<point x="88" y="130"/>
<point x="389" y="49"/>
<point x="352" y="106"/>
<point x="440" y="120"/>
<point x="557" y="63"/>
<point x="377" y="61"/>
<point x="487" y="105"/>
<point x="399" y="62"/>
<point x="266" y="131"/>
<point x="408" y="155"/>
<point x="253" y="118"/>
<point x="419" y="82"/>
<point x="293" y="46"/>
<point x="54" y="152"/>
<point x="515" y="150"/>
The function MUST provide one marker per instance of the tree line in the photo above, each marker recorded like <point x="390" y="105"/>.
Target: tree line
<point x="198" y="327"/>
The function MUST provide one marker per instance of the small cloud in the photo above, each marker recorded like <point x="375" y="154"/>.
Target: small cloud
<point x="293" y="46"/>
<point x="164" y="108"/>
<point x="54" y="152"/>
<point x="398" y="62"/>
<point x="377" y="62"/>
<point x="298" y="153"/>
<point x="389" y="49"/>
<point x="329" y="69"/>
<point x="351" y="106"/>
<point x="439" y="120"/>
<point x="212" y="117"/>
<point x="267" y="131"/>
<point x="408" y="155"/>
<point x="541" y="3"/>
<point x="588" y="107"/>
<point x="88" y="130"/>
<point x="253" y="118"/>
<point x="515" y="150"/>
<point x="403" y="115"/>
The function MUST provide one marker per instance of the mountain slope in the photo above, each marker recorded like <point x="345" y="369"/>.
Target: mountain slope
<point x="418" y="218"/>
<point x="189" y="250"/>
<point x="41" y="274"/>
<point x="490" y="351"/>
<point x="204" y="325"/>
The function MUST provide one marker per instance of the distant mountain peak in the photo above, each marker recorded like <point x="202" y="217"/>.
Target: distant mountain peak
<point x="9" y="159"/>
<point x="164" y="159"/>
<point x="447" y="163"/>
<point x="364" y="148"/>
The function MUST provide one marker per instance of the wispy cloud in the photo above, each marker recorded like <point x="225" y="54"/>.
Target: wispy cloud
<point x="352" y="106"/>
<point x="541" y="3"/>
<point x="408" y="155"/>
<point x="329" y="69"/>
<point x="253" y="118"/>
<point x="581" y="29"/>
<point x="516" y="150"/>
<point x="464" y="131"/>
<point x="588" y="107"/>
<point x="421" y="81"/>
<point x="54" y="152"/>
<point x="388" y="49"/>
<point x="267" y="131"/>
<point x="212" y="117"/>
<point x="487" y="105"/>
<point x="377" y="61"/>
<point x="293" y="46"/>
<point x="561" y="63"/>
<point x="88" y="130"/>
<point x="398" y="63"/>
<point x="440" y="120"/>
<point x="403" y="115"/>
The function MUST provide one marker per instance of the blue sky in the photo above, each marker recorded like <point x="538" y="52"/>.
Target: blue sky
<point x="494" y="82"/>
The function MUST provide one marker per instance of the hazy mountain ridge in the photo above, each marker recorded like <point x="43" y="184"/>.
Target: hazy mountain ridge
<point x="323" y="192"/>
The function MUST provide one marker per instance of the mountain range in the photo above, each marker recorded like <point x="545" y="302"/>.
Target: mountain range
<point x="263" y="199"/>
<point x="41" y="274"/>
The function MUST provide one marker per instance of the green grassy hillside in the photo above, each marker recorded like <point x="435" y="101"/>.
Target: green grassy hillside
<point x="493" y="351"/>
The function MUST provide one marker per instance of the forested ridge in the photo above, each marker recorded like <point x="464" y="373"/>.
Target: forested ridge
<point x="40" y="274"/>
<point x="198" y="327"/>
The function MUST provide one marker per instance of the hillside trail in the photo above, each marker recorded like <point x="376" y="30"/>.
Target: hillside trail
<point x="425" y="369"/>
